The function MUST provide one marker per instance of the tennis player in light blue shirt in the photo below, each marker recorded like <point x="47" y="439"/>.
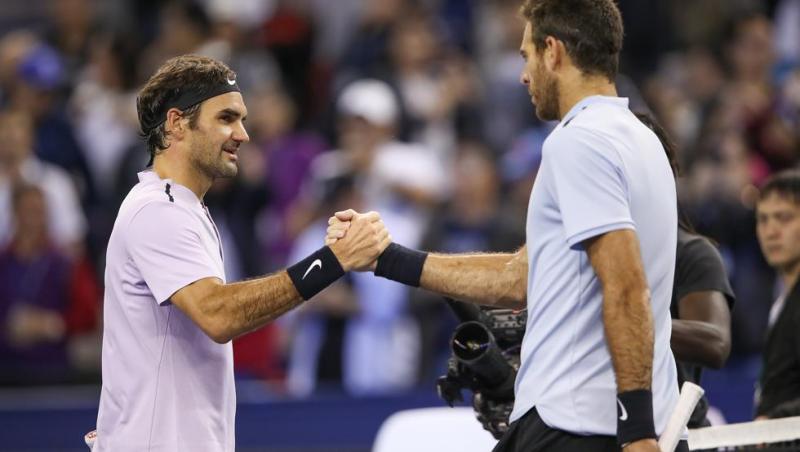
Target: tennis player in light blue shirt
<point x="596" y="272"/>
<point x="602" y="170"/>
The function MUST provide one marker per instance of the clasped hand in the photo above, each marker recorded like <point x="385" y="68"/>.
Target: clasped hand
<point x="357" y="239"/>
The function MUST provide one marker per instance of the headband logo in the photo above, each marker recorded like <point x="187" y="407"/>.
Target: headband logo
<point x="231" y="82"/>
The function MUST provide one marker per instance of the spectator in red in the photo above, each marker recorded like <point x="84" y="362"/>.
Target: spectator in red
<point x="46" y="299"/>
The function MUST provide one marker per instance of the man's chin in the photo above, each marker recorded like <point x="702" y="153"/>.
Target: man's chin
<point x="228" y="169"/>
<point x="545" y="115"/>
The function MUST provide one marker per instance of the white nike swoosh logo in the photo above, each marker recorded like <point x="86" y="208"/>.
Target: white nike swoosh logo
<point x="317" y="263"/>
<point x="624" y="415"/>
<point x="231" y="82"/>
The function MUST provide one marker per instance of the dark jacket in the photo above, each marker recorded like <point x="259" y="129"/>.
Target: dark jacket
<point x="780" y="377"/>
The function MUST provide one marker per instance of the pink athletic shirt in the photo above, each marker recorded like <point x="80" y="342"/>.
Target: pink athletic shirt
<point x="166" y="385"/>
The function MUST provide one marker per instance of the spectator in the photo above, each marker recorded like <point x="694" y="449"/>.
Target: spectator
<point x="286" y="153"/>
<point x="66" y="221"/>
<point x="45" y="298"/>
<point x="471" y="220"/>
<point x="320" y="334"/>
<point x="40" y="79"/>
<point x="778" y="219"/>
<point x="402" y="181"/>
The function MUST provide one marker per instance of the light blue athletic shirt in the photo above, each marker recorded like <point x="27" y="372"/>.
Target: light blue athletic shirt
<point x="602" y="170"/>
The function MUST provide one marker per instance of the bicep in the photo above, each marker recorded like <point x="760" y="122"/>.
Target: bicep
<point x="708" y="306"/>
<point x="590" y="186"/>
<point x="164" y="244"/>
<point x="617" y="261"/>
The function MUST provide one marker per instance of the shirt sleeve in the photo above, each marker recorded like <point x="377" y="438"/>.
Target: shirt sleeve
<point x="590" y="184"/>
<point x="700" y="269"/>
<point x="164" y="242"/>
<point x="66" y="215"/>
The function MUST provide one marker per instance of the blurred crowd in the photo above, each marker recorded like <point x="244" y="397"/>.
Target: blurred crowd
<point x="409" y="107"/>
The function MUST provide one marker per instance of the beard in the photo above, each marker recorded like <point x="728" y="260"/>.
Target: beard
<point x="211" y="160"/>
<point x="546" y="96"/>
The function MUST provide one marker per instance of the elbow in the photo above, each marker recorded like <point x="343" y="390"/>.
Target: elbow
<point x="221" y="337"/>
<point x="721" y="349"/>
<point x="215" y="323"/>
<point x="217" y="331"/>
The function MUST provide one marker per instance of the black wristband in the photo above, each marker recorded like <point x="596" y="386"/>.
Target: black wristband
<point x="401" y="264"/>
<point x="635" y="416"/>
<point x="316" y="272"/>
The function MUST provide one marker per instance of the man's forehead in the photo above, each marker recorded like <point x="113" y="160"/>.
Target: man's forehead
<point x="228" y="101"/>
<point x="778" y="201"/>
<point x="527" y="38"/>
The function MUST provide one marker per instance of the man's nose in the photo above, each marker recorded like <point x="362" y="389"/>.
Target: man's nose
<point x="240" y="135"/>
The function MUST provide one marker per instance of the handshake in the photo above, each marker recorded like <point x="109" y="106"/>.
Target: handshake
<point x="357" y="239"/>
<point x="360" y="242"/>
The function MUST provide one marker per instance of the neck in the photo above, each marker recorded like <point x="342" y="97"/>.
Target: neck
<point x="575" y="87"/>
<point x="182" y="173"/>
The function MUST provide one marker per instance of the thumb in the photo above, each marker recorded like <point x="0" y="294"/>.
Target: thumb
<point x="346" y="215"/>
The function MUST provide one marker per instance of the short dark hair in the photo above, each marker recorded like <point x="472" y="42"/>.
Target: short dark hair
<point x="785" y="184"/>
<point x="590" y="29"/>
<point x="669" y="146"/>
<point x="199" y="72"/>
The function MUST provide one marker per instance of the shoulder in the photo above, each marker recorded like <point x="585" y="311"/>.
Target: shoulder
<point x="694" y="247"/>
<point x="580" y="143"/>
<point x="332" y="163"/>
<point x="398" y="152"/>
<point x="152" y="204"/>
<point x="699" y="267"/>
<point x="50" y="177"/>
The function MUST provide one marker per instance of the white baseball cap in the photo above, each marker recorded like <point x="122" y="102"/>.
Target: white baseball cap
<point x="370" y="99"/>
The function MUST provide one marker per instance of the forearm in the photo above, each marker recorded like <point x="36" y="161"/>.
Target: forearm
<point x="628" y="326"/>
<point x="241" y="307"/>
<point x="489" y="279"/>
<point x="700" y="343"/>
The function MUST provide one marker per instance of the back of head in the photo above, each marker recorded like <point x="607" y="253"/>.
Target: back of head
<point x="669" y="146"/>
<point x="590" y="29"/>
<point x="177" y="81"/>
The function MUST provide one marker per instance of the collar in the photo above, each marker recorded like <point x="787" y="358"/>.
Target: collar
<point x="591" y="100"/>
<point x="176" y="191"/>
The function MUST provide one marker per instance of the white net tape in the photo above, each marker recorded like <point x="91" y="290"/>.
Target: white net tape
<point x="747" y="433"/>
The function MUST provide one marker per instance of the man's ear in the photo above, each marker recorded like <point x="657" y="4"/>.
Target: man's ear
<point x="554" y="53"/>
<point x="175" y="124"/>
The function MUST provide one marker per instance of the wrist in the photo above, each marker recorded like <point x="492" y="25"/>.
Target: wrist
<point x="316" y="272"/>
<point x="340" y="255"/>
<point x="635" y="416"/>
<point x="401" y="264"/>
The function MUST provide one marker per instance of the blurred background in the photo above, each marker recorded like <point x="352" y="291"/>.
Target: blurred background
<point x="409" y="107"/>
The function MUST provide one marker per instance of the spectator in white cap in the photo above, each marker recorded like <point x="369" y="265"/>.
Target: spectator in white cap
<point x="403" y="181"/>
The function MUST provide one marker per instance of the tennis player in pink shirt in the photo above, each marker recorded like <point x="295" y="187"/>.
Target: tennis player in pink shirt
<point x="169" y="314"/>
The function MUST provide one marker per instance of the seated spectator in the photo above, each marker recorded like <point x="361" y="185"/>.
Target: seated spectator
<point x="45" y="298"/>
<point x="778" y="230"/>
<point x="40" y="82"/>
<point x="66" y="220"/>
<point x="357" y="335"/>
<point x="472" y="220"/>
<point x="702" y="298"/>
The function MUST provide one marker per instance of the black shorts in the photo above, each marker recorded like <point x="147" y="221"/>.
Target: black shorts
<point x="530" y="434"/>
